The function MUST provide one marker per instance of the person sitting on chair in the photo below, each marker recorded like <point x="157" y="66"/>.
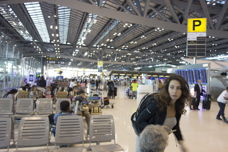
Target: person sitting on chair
<point x="65" y="110"/>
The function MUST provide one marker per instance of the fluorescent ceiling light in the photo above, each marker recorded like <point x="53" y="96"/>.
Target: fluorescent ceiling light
<point x="137" y="68"/>
<point x="36" y="14"/>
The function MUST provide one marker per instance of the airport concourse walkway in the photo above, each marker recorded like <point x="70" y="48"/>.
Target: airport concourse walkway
<point x="201" y="131"/>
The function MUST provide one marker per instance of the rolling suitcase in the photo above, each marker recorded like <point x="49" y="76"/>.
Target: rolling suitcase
<point x="193" y="104"/>
<point x="207" y="102"/>
<point x="115" y="91"/>
<point x="106" y="101"/>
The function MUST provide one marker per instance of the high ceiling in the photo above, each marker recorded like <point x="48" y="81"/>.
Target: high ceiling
<point x="123" y="33"/>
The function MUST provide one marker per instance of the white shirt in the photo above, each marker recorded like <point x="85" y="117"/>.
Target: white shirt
<point x="72" y="84"/>
<point x="221" y="97"/>
<point x="170" y="122"/>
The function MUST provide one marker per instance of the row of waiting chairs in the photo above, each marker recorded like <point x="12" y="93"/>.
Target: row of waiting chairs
<point x="44" y="106"/>
<point x="34" y="131"/>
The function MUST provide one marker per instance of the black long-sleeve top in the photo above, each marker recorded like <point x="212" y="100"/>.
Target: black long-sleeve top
<point x="154" y="115"/>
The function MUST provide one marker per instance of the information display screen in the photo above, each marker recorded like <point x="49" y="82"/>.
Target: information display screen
<point x="192" y="75"/>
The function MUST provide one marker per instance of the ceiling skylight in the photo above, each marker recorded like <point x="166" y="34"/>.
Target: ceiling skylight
<point x="64" y="16"/>
<point x="7" y="12"/>
<point x="36" y="14"/>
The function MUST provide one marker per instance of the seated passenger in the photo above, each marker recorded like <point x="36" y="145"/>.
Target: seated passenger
<point x="22" y="93"/>
<point x="83" y="106"/>
<point x="61" y="93"/>
<point x="81" y="96"/>
<point x="65" y="110"/>
<point x="12" y="92"/>
<point x="47" y="92"/>
<point x="154" y="138"/>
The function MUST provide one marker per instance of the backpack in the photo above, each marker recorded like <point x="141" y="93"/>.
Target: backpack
<point x="145" y="101"/>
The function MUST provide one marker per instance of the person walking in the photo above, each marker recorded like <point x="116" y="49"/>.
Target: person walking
<point x="222" y="101"/>
<point x="111" y="89"/>
<point x="134" y="88"/>
<point x="42" y="82"/>
<point x="198" y="90"/>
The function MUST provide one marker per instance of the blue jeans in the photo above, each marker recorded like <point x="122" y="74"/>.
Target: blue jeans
<point x="137" y="149"/>
<point x="221" y="110"/>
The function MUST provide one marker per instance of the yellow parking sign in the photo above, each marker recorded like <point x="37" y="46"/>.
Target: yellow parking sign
<point x="197" y="24"/>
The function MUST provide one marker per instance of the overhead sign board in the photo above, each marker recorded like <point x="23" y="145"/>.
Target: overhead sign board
<point x="197" y="25"/>
<point x="100" y="66"/>
<point x="193" y="36"/>
<point x="100" y="63"/>
<point x="196" y="37"/>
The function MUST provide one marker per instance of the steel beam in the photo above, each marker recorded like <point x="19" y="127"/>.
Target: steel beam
<point x="221" y="15"/>
<point x="145" y="8"/>
<point x="130" y="3"/>
<point x="169" y="5"/>
<point x="187" y="11"/>
<point x="206" y="13"/>
<point x="7" y="29"/>
<point x="177" y="3"/>
<point x="81" y="25"/>
<point x="125" y="17"/>
<point x="95" y="61"/>
<point x="122" y="16"/>
<point x="25" y="18"/>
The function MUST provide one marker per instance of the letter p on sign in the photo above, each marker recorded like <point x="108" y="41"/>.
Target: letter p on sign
<point x="197" y="24"/>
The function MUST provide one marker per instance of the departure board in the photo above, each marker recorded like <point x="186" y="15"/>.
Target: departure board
<point x="192" y="75"/>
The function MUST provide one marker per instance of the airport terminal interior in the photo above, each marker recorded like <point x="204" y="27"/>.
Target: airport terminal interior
<point x="72" y="73"/>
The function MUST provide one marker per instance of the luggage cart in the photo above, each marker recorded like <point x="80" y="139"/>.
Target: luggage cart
<point x="95" y="105"/>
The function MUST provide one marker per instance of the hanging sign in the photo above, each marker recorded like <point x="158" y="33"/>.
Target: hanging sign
<point x="100" y="66"/>
<point x="196" y="37"/>
<point x="197" y="25"/>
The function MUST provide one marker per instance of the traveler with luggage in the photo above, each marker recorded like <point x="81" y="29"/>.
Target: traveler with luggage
<point x="222" y="101"/>
<point x="163" y="108"/>
<point x="198" y="90"/>
<point x="111" y="89"/>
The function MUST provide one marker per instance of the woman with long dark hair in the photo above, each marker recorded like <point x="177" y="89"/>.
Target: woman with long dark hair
<point x="166" y="107"/>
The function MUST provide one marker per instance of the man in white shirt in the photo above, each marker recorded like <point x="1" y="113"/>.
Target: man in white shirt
<point x="72" y="84"/>
<point x="222" y="101"/>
